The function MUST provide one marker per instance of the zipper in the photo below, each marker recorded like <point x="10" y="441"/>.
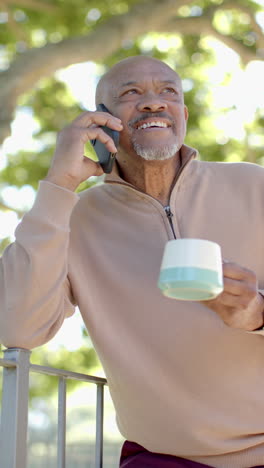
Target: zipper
<point x="169" y="215"/>
<point x="167" y="209"/>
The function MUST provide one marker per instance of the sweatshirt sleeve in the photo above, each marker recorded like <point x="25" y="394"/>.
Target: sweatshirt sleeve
<point x="34" y="290"/>
<point x="261" y="330"/>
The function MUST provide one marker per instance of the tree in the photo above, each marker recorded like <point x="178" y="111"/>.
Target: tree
<point x="41" y="37"/>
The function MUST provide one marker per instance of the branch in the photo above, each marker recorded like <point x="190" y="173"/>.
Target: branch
<point x="231" y="5"/>
<point x="14" y="26"/>
<point x="203" y="25"/>
<point x="259" y="36"/>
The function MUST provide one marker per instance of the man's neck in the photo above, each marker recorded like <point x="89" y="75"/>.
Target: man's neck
<point x="155" y="178"/>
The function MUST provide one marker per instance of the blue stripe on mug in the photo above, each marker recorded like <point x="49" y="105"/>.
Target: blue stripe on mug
<point x="190" y="283"/>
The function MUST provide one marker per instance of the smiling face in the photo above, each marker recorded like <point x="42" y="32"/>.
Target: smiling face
<point x="147" y="96"/>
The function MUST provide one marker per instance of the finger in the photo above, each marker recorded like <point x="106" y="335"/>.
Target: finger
<point x="96" y="133"/>
<point x="237" y="272"/>
<point x="236" y="287"/>
<point x="93" y="166"/>
<point x="232" y="301"/>
<point x="99" y="118"/>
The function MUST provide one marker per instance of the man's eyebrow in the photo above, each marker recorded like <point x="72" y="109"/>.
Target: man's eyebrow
<point x="170" y="81"/>
<point x="129" y="83"/>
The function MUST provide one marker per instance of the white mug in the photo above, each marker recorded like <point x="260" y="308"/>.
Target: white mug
<point x="191" y="269"/>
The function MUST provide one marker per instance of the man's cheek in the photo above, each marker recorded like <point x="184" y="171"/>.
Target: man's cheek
<point x="125" y="139"/>
<point x="126" y="133"/>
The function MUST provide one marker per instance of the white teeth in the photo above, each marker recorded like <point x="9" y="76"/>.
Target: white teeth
<point x="153" y="124"/>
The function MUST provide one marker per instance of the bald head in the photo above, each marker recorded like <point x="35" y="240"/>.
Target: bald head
<point x="128" y="69"/>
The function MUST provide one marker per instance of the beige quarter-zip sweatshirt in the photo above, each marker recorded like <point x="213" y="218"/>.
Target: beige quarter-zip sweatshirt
<point x="182" y="382"/>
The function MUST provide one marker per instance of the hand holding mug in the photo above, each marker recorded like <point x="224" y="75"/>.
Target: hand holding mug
<point x="240" y="305"/>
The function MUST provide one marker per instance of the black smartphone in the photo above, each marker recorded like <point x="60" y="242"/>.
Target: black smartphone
<point x="105" y="157"/>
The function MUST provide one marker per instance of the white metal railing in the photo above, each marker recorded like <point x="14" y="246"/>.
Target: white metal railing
<point x="14" y="416"/>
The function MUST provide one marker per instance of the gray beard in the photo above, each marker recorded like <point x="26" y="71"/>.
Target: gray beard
<point x="154" y="153"/>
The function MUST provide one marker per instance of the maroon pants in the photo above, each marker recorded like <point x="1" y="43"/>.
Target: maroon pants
<point x="135" y="456"/>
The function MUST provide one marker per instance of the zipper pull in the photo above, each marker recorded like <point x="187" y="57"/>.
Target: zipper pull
<point x="168" y="212"/>
<point x="169" y="216"/>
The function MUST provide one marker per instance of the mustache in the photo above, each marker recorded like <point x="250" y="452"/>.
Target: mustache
<point x="147" y="115"/>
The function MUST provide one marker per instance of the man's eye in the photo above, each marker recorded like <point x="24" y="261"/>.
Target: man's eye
<point x="130" y="91"/>
<point x="169" y="90"/>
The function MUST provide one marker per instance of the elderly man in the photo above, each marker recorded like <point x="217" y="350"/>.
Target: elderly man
<point x="186" y="378"/>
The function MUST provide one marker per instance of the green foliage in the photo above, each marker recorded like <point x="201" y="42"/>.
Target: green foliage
<point x="54" y="21"/>
<point x="53" y="105"/>
<point x="3" y="244"/>
<point x="26" y="168"/>
<point x="81" y="360"/>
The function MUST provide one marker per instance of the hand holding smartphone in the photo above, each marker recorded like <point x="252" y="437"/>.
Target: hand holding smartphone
<point x="105" y="157"/>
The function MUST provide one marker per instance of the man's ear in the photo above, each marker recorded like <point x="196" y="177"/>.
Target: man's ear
<point x="186" y="113"/>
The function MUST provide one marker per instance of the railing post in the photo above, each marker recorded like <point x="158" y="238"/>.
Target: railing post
<point x="99" y="426"/>
<point x="61" y="451"/>
<point x="14" y="417"/>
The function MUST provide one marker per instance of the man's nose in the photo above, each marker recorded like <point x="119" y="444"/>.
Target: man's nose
<point x="151" y="104"/>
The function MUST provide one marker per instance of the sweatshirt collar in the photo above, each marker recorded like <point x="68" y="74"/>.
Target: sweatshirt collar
<point x="187" y="154"/>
